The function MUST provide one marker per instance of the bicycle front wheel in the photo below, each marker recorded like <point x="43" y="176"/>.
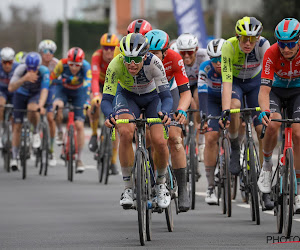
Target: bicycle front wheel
<point x="192" y="172"/>
<point x="227" y="177"/>
<point x="254" y="168"/>
<point x="141" y="197"/>
<point x="71" y="152"/>
<point x="6" y="151"/>
<point x="168" y="210"/>
<point x="288" y="193"/>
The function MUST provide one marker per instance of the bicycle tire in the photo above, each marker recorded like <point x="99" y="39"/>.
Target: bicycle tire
<point x="6" y="151"/>
<point x="70" y="152"/>
<point x="192" y="173"/>
<point x="100" y="155"/>
<point x="140" y="196"/>
<point x="227" y="177"/>
<point x="288" y="193"/>
<point x="24" y="150"/>
<point x="234" y="180"/>
<point x="168" y="210"/>
<point x="107" y="155"/>
<point x="253" y="173"/>
<point x="149" y="198"/>
<point x="278" y="201"/>
<point x="244" y="175"/>
<point x="221" y="191"/>
<point x="45" y="150"/>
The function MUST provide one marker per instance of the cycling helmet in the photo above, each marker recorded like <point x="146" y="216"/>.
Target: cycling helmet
<point x="33" y="60"/>
<point x="187" y="41"/>
<point x="173" y="45"/>
<point x="7" y="54"/>
<point x="75" y="54"/>
<point x="214" y="47"/>
<point x="158" y="40"/>
<point x="134" y="44"/>
<point x="248" y="26"/>
<point x="20" y="57"/>
<point x="109" y="40"/>
<point x="287" y="29"/>
<point x="139" y="26"/>
<point x="47" y="44"/>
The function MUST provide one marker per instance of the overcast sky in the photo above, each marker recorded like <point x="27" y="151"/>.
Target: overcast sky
<point x="52" y="10"/>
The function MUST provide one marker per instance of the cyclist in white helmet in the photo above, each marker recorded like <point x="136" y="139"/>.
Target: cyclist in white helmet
<point x="47" y="49"/>
<point x="209" y="93"/>
<point x="7" y="68"/>
<point x="193" y="56"/>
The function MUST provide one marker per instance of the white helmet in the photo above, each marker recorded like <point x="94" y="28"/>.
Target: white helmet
<point x="47" y="44"/>
<point x="187" y="41"/>
<point x="214" y="47"/>
<point x="7" y="54"/>
<point x="173" y="45"/>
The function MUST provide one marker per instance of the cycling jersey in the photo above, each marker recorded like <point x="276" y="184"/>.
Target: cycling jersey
<point x="51" y="92"/>
<point x="99" y="67"/>
<point x="235" y="63"/>
<point x="175" y="70"/>
<point x="30" y="88"/>
<point x="4" y="81"/>
<point x="52" y="64"/>
<point x="278" y="71"/>
<point x="151" y="77"/>
<point x="68" y="81"/>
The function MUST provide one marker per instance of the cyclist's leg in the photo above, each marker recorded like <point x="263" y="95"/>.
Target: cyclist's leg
<point x="211" y="148"/>
<point x="19" y="102"/>
<point x="51" y="122"/>
<point x="269" y="143"/>
<point x="94" y="121"/>
<point x="34" y="118"/>
<point x="3" y="99"/>
<point x="236" y="100"/>
<point x="60" y="101"/>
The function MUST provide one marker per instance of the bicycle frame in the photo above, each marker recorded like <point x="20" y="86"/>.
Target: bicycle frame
<point x="71" y="121"/>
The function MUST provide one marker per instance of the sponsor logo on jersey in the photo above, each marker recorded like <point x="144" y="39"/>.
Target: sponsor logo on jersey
<point x="267" y="67"/>
<point x="294" y="73"/>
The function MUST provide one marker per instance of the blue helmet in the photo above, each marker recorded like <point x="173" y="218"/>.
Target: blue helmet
<point x="287" y="29"/>
<point x="158" y="39"/>
<point x="33" y="60"/>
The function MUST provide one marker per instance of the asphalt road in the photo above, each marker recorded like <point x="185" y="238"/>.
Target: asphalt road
<point x="52" y="213"/>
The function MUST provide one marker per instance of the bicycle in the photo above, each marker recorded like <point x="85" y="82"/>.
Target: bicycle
<point x="6" y="136"/>
<point x="143" y="178"/>
<point x="192" y="161"/>
<point x="250" y="165"/>
<point x="285" y="189"/>
<point x="222" y="174"/>
<point x="43" y="151"/>
<point x="70" y="146"/>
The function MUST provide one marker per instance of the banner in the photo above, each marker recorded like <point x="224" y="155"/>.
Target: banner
<point x="189" y="17"/>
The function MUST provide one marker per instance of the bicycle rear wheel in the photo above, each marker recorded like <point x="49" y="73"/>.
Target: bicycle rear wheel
<point x="141" y="202"/>
<point x="227" y="177"/>
<point x="288" y="190"/>
<point x="254" y="167"/>
<point x="71" y="152"/>
<point x="100" y="154"/>
<point x="107" y="155"/>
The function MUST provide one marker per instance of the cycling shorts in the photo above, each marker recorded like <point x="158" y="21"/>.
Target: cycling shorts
<point x="8" y="96"/>
<point x="250" y="88"/>
<point x="290" y="96"/>
<point x="50" y="98"/>
<point x="21" y="101"/>
<point x="76" y="97"/>
<point x="214" y="109"/>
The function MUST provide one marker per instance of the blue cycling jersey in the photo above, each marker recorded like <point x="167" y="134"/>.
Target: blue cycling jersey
<point x="29" y="88"/>
<point x="5" y="77"/>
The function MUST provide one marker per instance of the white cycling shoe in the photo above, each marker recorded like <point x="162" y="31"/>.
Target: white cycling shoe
<point x="211" y="198"/>
<point x="264" y="181"/>
<point x="14" y="165"/>
<point x="163" y="195"/>
<point x="297" y="204"/>
<point x="36" y="140"/>
<point x="127" y="198"/>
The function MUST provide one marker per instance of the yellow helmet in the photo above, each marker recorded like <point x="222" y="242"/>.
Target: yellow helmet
<point x="248" y="26"/>
<point x="109" y="40"/>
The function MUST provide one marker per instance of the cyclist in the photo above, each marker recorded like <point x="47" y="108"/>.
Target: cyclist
<point x="242" y="57"/>
<point x="280" y="82"/>
<point x="209" y="93"/>
<point x="100" y="60"/>
<point x="193" y="56"/>
<point x="30" y="82"/>
<point x="73" y="86"/>
<point x="7" y="68"/>
<point x="141" y="81"/>
<point x="137" y="26"/>
<point x="181" y="94"/>
<point x="47" y="49"/>
<point x="20" y="57"/>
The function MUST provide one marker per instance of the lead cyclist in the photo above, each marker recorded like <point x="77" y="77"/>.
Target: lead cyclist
<point x="141" y="81"/>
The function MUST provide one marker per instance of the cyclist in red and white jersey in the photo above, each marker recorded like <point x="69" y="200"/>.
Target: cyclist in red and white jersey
<point x="47" y="49"/>
<point x="280" y="81"/>
<point x="181" y="94"/>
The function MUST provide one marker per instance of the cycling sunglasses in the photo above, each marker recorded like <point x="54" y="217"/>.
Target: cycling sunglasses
<point x="189" y="52"/>
<point x="109" y="47"/>
<point x="245" y="39"/>
<point x="46" y="51"/>
<point x="215" y="59"/>
<point x="76" y="64"/>
<point x="7" y="62"/>
<point x="290" y="45"/>
<point x="135" y="59"/>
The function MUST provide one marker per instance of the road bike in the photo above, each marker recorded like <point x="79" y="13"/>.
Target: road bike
<point x="6" y="136"/>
